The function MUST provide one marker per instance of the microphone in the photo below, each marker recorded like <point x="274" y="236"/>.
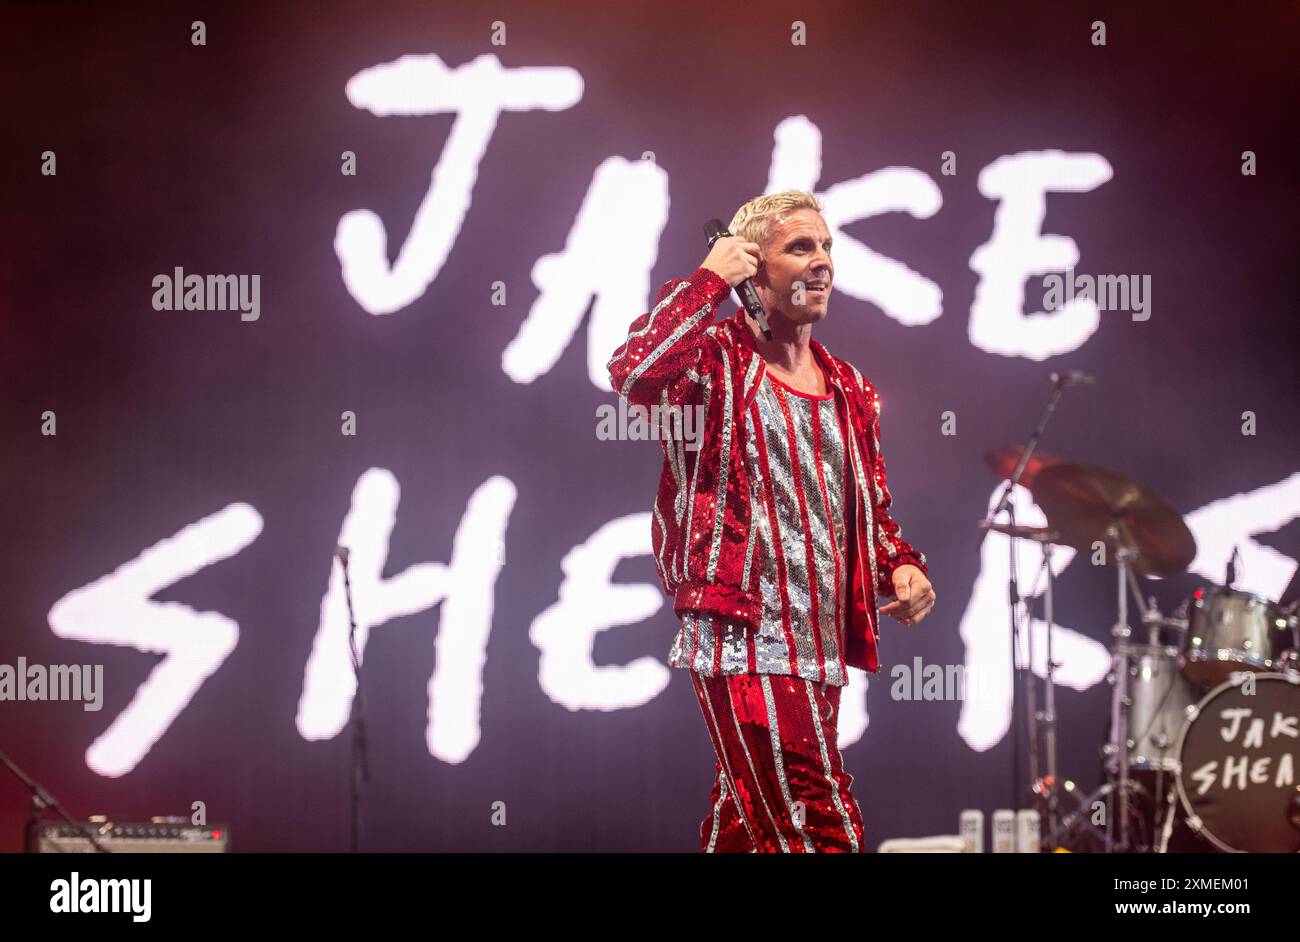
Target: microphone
<point x="715" y="230"/>
<point x="342" y="552"/>
<point x="1071" y="378"/>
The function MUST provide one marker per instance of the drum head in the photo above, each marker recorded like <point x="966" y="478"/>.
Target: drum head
<point x="1238" y="765"/>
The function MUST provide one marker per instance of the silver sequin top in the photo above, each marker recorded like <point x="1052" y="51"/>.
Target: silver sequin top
<point x="798" y="547"/>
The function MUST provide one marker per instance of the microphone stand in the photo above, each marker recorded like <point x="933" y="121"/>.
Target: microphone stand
<point x="42" y="799"/>
<point x="1006" y="503"/>
<point x="360" y="762"/>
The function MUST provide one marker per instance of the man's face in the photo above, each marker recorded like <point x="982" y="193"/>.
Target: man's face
<point x="795" y="278"/>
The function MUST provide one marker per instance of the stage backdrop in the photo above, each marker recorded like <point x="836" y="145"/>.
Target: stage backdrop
<point x="437" y="222"/>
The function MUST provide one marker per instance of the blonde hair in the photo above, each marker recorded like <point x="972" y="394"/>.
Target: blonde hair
<point x="753" y="221"/>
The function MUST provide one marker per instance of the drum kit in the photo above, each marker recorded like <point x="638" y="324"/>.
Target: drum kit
<point x="1205" y="707"/>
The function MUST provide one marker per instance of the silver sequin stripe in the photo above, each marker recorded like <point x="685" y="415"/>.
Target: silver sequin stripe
<point x="672" y="338"/>
<point x="754" y="362"/>
<point x="685" y="542"/>
<point x="720" y="494"/>
<point x="717" y="811"/>
<point x="749" y="544"/>
<point x="782" y="464"/>
<point x="757" y="492"/>
<point x="771" y="648"/>
<point x="829" y="524"/>
<point x="821" y="528"/>
<point x="676" y="456"/>
<point x="881" y="537"/>
<point x="864" y="501"/>
<point x="627" y="345"/>
<point x="663" y="542"/>
<point x="778" y="759"/>
<point x="700" y="653"/>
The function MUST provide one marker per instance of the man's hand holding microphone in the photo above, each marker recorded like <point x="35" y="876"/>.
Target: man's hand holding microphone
<point x="732" y="259"/>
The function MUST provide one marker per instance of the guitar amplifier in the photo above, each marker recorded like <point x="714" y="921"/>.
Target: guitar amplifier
<point x="155" y="836"/>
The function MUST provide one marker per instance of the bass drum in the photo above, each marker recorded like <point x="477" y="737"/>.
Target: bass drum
<point x="1237" y="765"/>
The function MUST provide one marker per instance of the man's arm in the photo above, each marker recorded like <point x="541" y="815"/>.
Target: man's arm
<point x="898" y="552"/>
<point x="666" y="342"/>
<point x="663" y="344"/>
<point x="901" y="567"/>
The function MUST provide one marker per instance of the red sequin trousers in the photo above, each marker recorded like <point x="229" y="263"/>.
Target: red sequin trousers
<point x="780" y="786"/>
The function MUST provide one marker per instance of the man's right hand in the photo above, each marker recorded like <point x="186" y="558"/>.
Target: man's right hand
<point x="732" y="259"/>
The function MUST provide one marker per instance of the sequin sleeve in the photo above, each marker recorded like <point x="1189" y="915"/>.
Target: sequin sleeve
<point x="664" y="347"/>
<point x="891" y="549"/>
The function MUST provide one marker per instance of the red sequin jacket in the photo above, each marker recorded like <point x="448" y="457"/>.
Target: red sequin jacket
<point x="676" y="355"/>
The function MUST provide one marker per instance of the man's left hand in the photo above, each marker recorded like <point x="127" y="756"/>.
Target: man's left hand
<point x="914" y="594"/>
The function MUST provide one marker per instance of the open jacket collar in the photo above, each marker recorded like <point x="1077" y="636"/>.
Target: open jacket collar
<point x="744" y="338"/>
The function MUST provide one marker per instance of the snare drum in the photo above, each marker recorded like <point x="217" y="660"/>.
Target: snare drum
<point x="1229" y="631"/>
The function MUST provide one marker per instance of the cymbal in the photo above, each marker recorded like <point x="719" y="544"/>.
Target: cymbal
<point x="1037" y="534"/>
<point x="1003" y="461"/>
<point x="1088" y="503"/>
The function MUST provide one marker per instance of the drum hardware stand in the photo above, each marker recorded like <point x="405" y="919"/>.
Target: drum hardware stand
<point x="1165" y="824"/>
<point x="1080" y="814"/>
<point x="1145" y="608"/>
<point x="1045" y="788"/>
<point x="1006" y="503"/>
<point x="1121" y="632"/>
<point x="1049" y="695"/>
<point x="1119" y="783"/>
<point x="1168" y="826"/>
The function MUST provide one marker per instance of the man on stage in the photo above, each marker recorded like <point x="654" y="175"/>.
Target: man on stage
<point x="774" y="536"/>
